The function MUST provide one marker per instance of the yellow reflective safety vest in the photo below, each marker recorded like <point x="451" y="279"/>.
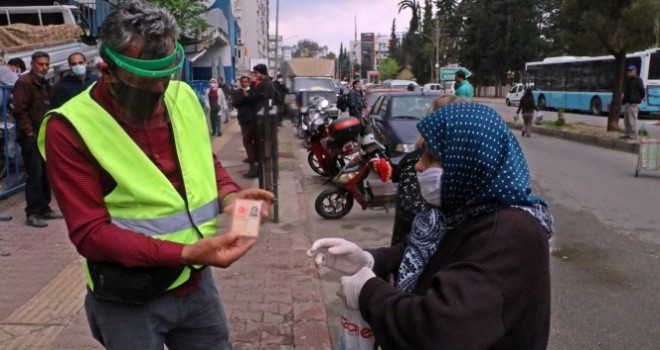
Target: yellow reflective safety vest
<point x="144" y="200"/>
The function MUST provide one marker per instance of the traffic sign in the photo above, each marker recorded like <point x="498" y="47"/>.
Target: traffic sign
<point x="448" y="73"/>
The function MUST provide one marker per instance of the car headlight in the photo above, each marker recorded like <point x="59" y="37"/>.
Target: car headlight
<point x="404" y="147"/>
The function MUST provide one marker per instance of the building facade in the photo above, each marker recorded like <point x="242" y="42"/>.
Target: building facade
<point x="253" y="40"/>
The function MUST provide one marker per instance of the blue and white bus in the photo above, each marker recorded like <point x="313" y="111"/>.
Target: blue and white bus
<point x="586" y="83"/>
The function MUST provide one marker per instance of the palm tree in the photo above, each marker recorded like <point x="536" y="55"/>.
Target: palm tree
<point x="414" y="7"/>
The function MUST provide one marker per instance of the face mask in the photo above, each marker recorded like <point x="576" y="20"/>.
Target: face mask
<point x="215" y="85"/>
<point x="429" y="184"/>
<point x="79" y="69"/>
<point x="138" y="101"/>
<point x="280" y="80"/>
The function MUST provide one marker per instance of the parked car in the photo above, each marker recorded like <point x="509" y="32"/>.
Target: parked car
<point x="399" y="84"/>
<point x="370" y="97"/>
<point x="513" y="96"/>
<point x="432" y="87"/>
<point x="394" y="118"/>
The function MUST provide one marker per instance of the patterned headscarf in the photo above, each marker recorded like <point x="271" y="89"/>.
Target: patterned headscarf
<point x="484" y="170"/>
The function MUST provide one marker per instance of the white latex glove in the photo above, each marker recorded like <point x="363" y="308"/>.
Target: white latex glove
<point x="351" y="286"/>
<point x="340" y="255"/>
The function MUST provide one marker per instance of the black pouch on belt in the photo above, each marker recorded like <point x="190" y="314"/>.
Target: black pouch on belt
<point x="121" y="284"/>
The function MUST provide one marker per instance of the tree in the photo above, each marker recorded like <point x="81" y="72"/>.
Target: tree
<point x="331" y="56"/>
<point x="414" y="7"/>
<point x="306" y="48"/>
<point x="394" y="42"/>
<point x="188" y="14"/>
<point x="388" y="69"/>
<point x="613" y="26"/>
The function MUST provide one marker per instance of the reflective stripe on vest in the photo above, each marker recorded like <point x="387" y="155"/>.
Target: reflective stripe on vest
<point x="144" y="200"/>
<point x="167" y="225"/>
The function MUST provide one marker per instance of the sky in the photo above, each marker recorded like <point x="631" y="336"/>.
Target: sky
<point x="331" y="22"/>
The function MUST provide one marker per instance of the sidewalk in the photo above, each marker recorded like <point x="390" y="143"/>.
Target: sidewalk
<point x="272" y="295"/>
<point x="577" y="132"/>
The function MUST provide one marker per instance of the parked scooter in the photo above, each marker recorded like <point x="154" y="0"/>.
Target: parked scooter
<point x="331" y="143"/>
<point x="358" y="182"/>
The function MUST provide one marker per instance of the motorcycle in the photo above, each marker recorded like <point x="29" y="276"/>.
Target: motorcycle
<point x="316" y="114"/>
<point x="331" y="144"/>
<point x="358" y="182"/>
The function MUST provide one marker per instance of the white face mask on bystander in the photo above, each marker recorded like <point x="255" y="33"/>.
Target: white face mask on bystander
<point x="430" y="185"/>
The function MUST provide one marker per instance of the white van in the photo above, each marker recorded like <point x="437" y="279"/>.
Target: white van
<point x="432" y="87"/>
<point x="515" y="94"/>
<point x="58" y="48"/>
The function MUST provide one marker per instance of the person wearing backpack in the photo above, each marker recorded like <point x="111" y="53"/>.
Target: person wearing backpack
<point x="280" y="92"/>
<point x="356" y="100"/>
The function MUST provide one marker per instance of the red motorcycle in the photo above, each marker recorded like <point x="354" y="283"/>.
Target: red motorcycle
<point x="366" y="178"/>
<point x="330" y="144"/>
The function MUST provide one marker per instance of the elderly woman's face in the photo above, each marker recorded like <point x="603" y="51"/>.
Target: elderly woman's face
<point x="427" y="160"/>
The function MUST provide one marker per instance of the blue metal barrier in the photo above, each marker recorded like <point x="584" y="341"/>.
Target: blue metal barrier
<point x="10" y="156"/>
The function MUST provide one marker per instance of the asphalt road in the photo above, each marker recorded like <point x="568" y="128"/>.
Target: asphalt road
<point x="605" y="263"/>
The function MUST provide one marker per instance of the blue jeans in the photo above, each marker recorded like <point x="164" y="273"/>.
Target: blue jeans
<point x="195" y="321"/>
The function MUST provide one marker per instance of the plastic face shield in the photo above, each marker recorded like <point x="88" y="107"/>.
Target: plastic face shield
<point x="139" y="85"/>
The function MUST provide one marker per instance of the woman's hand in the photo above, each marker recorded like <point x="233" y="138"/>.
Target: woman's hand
<point x="340" y="255"/>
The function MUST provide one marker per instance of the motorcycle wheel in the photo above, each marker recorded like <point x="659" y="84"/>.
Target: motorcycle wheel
<point x="333" y="203"/>
<point x="314" y="164"/>
<point x="300" y="132"/>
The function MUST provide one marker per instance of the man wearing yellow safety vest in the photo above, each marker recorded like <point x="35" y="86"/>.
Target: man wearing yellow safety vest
<point x="131" y="166"/>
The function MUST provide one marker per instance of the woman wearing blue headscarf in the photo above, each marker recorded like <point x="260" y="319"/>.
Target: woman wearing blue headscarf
<point x="475" y="274"/>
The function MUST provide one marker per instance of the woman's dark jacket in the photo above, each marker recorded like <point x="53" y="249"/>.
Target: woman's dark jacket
<point x="487" y="287"/>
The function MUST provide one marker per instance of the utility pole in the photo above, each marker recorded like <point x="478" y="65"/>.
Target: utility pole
<point x="277" y="35"/>
<point x="437" y="49"/>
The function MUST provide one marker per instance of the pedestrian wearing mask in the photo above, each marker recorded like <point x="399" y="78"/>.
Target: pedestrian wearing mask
<point x="75" y="82"/>
<point x="243" y="100"/>
<point x="141" y="190"/>
<point x="214" y="103"/>
<point x="475" y="274"/>
<point x="31" y="101"/>
<point x="226" y="90"/>
<point x="409" y="199"/>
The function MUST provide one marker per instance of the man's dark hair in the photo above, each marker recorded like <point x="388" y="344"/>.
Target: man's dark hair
<point x="244" y="77"/>
<point x="68" y="60"/>
<point x="39" y="54"/>
<point x="411" y="87"/>
<point x="221" y="79"/>
<point x="356" y="81"/>
<point x="17" y="62"/>
<point x="460" y="74"/>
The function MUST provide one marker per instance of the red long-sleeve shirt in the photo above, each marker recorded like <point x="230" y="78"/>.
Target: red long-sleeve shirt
<point x="79" y="184"/>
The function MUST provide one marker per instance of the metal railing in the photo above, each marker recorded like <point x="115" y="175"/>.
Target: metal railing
<point x="93" y="13"/>
<point x="11" y="175"/>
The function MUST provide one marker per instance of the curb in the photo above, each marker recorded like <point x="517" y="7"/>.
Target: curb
<point x="589" y="139"/>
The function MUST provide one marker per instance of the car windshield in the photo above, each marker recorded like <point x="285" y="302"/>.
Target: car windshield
<point x="411" y="107"/>
<point x="313" y="84"/>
